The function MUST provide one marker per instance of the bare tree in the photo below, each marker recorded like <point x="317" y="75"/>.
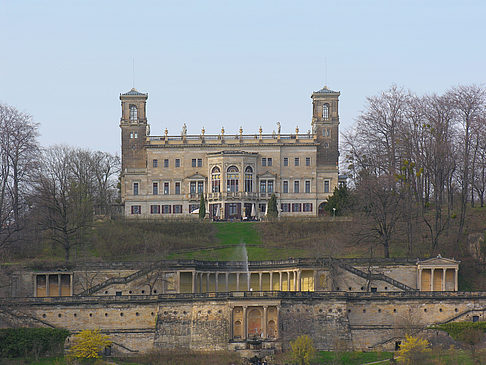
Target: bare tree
<point x="18" y="152"/>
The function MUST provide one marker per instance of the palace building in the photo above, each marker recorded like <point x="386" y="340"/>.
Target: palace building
<point x="165" y="176"/>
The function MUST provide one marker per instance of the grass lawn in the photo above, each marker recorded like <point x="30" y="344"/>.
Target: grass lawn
<point x="352" y="358"/>
<point x="233" y="233"/>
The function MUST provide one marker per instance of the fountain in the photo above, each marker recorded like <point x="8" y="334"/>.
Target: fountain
<point x="245" y="263"/>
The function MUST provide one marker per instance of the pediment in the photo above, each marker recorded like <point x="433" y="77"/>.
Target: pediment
<point x="196" y="177"/>
<point x="267" y="175"/>
<point x="438" y="261"/>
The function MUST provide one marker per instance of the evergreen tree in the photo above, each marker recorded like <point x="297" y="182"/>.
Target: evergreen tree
<point x="272" y="211"/>
<point x="341" y="200"/>
<point x="202" y="207"/>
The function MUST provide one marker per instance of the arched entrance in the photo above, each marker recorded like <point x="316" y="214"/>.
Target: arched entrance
<point x="255" y="323"/>
<point x="321" y="212"/>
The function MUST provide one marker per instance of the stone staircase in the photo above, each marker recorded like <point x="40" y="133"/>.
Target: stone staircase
<point x="371" y="276"/>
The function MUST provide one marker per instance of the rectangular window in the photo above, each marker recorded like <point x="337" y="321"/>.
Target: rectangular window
<point x="165" y="209"/>
<point x="263" y="186"/>
<point x="136" y="209"/>
<point x="200" y="187"/>
<point x="166" y="162"/>
<point x="269" y="161"/>
<point x="193" y="207"/>
<point x="194" y="162"/>
<point x="307" y="207"/>
<point x="270" y="186"/>
<point x="285" y="207"/>
<point x="307" y="186"/>
<point x="178" y="188"/>
<point x="296" y="161"/>
<point x="326" y="186"/>
<point x="307" y="161"/>
<point x="296" y="186"/>
<point x="155" y="163"/>
<point x="135" y="188"/>
<point x="193" y="187"/>
<point x="285" y="187"/>
<point x="166" y="188"/>
<point x="264" y="161"/>
<point x="262" y="207"/>
<point x="199" y="162"/>
<point x="296" y="207"/>
<point x="155" y="188"/>
<point x="177" y="209"/>
<point x="286" y="161"/>
<point x="155" y="209"/>
<point x="177" y="162"/>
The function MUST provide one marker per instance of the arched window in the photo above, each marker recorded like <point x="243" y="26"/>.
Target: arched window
<point x="248" y="179"/>
<point x="232" y="177"/>
<point x="215" y="179"/>
<point x="325" y="111"/>
<point x="133" y="113"/>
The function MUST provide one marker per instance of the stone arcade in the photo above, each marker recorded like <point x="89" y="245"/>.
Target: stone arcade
<point x="219" y="305"/>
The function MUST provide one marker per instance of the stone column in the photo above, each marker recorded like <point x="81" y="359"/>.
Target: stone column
<point x="193" y="282"/>
<point x="277" y="325"/>
<point x="280" y="276"/>
<point x="200" y="282"/>
<point x="299" y="280"/>
<point x="271" y="281"/>
<point x="237" y="281"/>
<point x="456" y="287"/>
<point x="226" y="282"/>
<point x="216" y="282"/>
<point x="245" y="324"/>
<point x="35" y="286"/>
<point x="47" y="285"/>
<point x="259" y="281"/>
<point x="288" y="280"/>
<point x="59" y="285"/>
<point x="295" y="280"/>
<point x="419" y="280"/>
<point x="444" y="279"/>
<point x="207" y="282"/>
<point x="265" y="321"/>
<point x="432" y="279"/>
<point x="71" y="291"/>
<point x="248" y="276"/>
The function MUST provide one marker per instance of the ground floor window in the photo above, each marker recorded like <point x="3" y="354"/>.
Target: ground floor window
<point x="177" y="209"/>
<point x="193" y="207"/>
<point x="165" y="209"/>
<point x="263" y="207"/>
<point x="307" y="207"/>
<point x="155" y="209"/>
<point x="285" y="207"/>
<point x="296" y="207"/>
<point x="136" y="209"/>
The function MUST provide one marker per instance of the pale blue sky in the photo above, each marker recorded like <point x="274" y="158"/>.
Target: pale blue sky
<point x="231" y="63"/>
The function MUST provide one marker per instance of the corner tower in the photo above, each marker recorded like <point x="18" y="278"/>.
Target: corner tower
<point x="134" y="129"/>
<point x="325" y="126"/>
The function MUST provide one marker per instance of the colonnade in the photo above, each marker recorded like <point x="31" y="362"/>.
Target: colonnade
<point x="438" y="279"/>
<point x="255" y="321"/>
<point x="53" y="285"/>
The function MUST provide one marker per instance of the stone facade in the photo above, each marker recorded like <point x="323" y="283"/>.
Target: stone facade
<point x="342" y="304"/>
<point x="165" y="176"/>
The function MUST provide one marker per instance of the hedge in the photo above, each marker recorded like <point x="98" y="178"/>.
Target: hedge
<point x="455" y="329"/>
<point x="20" y="342"/>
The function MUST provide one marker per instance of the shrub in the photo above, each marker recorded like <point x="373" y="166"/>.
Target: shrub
<point x="414" y="350"/>
<point x="18" y="342"/>
<point x="303" y="350"/>
<point x="88" y="344"/>
<point x="456" y="329"/>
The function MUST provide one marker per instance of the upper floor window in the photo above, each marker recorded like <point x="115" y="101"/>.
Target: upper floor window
<point x="307" y="186"/>
<point x="133" y="113"/>
<point x="285" y="187"/>
<point x="166" y="188"/>
<point x="200" y="187"/>
<point x="177" y="188"/>
<point x="177" y="162"/>
<point x="232" y="178"/>
<point x="194" y="161"/>
<point x="270" y="186"/>
<point x="269" y="161"/>
<point x="307" y="161"/>
<point x="155" y="163"/>
<point x="135" y="188"/>
<point x="155" y="188"/>
<point x="166" y="162"/>
<point x="286" y="161"/>
<point x="248" y="179"/>
<point x="199" y="162"/>
<point x="296" y="186"/>
<point x="215" y="179"/>
<point x="326" y="186"/>
<point x="263" y="186"/>
<point x="297" y="161"/>
<point x="325" y="111"/>
<point x="264" y="161"/>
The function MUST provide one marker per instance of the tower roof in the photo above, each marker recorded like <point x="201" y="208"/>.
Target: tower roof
<point x="134" y="92"/>
<point x="325" y="90"/>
